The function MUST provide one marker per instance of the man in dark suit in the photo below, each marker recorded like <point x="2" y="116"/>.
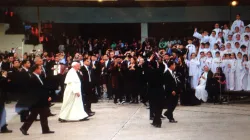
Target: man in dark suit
<point x="3" y="85"/>
<point x="155" y="90"/>
<point x="24" y="89"/>
<point x="38" y="102"/>
<point x="96" y="68"/>
<point x="87" y="86"/>
<point x="7" y="64"/>
<point x="171" y="91"/>
<point x="107" y="75"/>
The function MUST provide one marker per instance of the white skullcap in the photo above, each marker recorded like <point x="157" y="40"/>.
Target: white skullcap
<point x="74" y="63"/>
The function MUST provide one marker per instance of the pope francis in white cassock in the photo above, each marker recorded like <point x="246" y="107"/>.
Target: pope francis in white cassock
<point x="72" y="107"/>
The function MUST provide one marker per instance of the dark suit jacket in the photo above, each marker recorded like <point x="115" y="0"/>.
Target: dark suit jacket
<point x="86" y="85"/>
<point x="96" y="72"/>
<point x="3" y="90"/>
<point x="37" y="96"/>
<point x="5" y="66"/>
<point x="209" y="80"/>
<point x="170" y="84"/>
<point x="24" y="80"/>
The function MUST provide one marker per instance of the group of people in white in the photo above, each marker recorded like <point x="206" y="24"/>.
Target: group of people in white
<point x="225" y="48"/>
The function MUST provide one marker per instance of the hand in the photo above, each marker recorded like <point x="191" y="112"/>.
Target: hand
<point x="173" y="93"/>
<point x="78" y="94"/>
<point x="49" y="99"/>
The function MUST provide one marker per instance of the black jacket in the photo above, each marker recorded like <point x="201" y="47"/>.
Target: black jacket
<point x="170" y="84"/>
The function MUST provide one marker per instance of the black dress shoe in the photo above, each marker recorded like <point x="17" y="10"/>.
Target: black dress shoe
<point x="173" y="121"/>
<point x="24" y="132"/>
<point x="51" y="105"/>
<point x="151" y="118"/>
<point x="61" y="120"/>
<point x="162" y="117"/>
<point x="51" y="115"/>
<point x="156" y="125"/>
<point x="49" y="132"/>
<point x="6" y="131"/>
<point x="91" y="114"/>
<point x="145" y="104"/>
<point x="85" y="119"/>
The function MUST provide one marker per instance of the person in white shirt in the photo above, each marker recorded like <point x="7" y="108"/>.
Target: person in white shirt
<point x="209" y="60"/>
<point x="222" y="51"/>
<point x="226" y="32"/>
<point x="212" y="39"/>
<point x="230" y="40"/>
<point x="228" y="49"/>
<point x="243" y="50"/>
<point x="247" y="32"/>
<point x="239" y="72"/>
<point x="217" y="29"/>
<point x="232" y="68"/>
<point x="202" y="60"/>
<point x="245" y="42"/>
<point x="193" y="68"/>
<point x="236" y="49"/>
<point x="216" y="62"/>
<point x="204" y="38"/>
<point x="238" y="23"/>
<point x="236" y="33"/>
<point x="201" y="49"/>
<point x="226" y="69"/>
<point x="215" y="49"/>
<point x="245" y="79"/>
<point x="191" y="48"/>
<point x="207" y="48"/>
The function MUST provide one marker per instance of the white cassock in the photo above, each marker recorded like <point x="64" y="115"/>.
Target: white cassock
<point x="194" y="72"/>
<point x="238" y="23"/>
<point x="217" y="30"/>
<point x="191" y="49"/>
<point x="243" y="35"/>
<point x="202" y="64"/>
<point x="236" y="50"/>
<point x="226" y="71"/>
<point x="228" y="51"/>
<point x="239" y="74"/>
<point x="203" y="39"/>
<point x="226" y="32"/>
<point x="231" y="76"/>
<point x="231" y="42"/>
<point x="248" y="76"/>
<point x="72" y="107"/>
<point x="216" y="62"/>
<point x="235" y="39"/>
<point x="200" y="91"/>
<point x="245" y="75"/>
<point x="213" y="51"/>
<point x="244" y="52"/>
<point x="212" y="41"/>
<point x="246" y="43"/>
<point x="208" y="62"/>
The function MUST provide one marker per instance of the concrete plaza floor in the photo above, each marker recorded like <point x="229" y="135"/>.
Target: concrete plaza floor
<point x="131" y="122"/>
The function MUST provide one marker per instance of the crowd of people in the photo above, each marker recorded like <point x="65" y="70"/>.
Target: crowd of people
<point x="141" y="72"/>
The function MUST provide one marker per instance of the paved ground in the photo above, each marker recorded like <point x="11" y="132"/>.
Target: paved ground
<point x="130" y="122"/>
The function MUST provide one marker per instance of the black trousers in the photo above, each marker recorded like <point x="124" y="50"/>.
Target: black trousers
<point x="118" y="95"/>
<point x="109" y="88"/>
<point x="24" y="115"/>
<point x="171" y="105"/>
<point x="43" y="112"/>
<point x="156" y="100"/>
<point x="87" y="103"/>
